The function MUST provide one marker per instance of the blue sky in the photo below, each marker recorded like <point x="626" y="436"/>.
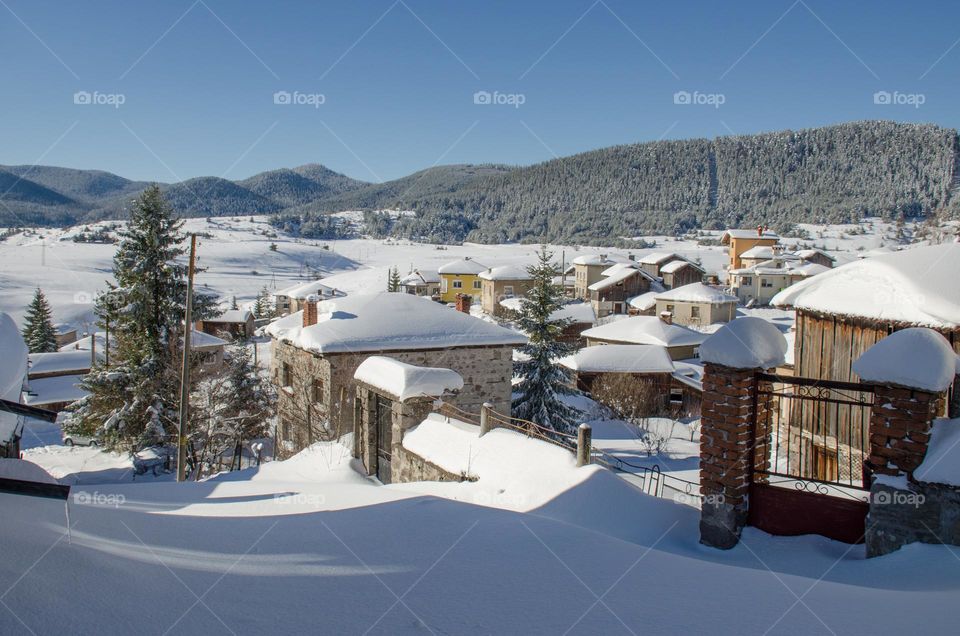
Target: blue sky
<point x="398" y="79"/>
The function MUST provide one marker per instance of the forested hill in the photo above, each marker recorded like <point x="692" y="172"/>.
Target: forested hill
<point x="830" y="174"/>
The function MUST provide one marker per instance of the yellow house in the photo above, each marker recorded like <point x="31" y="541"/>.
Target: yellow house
<point x="742" y="240"/>
<point x="461" y="277"/>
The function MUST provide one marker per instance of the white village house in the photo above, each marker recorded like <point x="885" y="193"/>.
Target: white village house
<point x="317" y="350"/>
<point x="681" y="343"/>
<point x="697" y="304"/>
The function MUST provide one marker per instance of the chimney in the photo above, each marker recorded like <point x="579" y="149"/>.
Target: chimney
<point x="667" y="317"/>
<point x="310" y="311"/>
<point x="463" y="302"/>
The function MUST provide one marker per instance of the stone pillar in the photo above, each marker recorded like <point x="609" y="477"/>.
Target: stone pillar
<point x="726" y="453"/>
<point x="900" y="429"/>
<point x="584" y="434"/>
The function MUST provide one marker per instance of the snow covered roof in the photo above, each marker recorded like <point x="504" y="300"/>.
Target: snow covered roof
<point x="618" y="276"/>
<point x="747" y="234"/>
<point x="23" y="470"/>
<point x="646" y="330"/>
<point x="916" y="286"/>
<point x="593" y="259"/>
<point x="644" y="302"/>
<point x="807" y="269"/>
<point x="578" y="312"/>
<point x="690" y="372"/>
<point x="617" y="267"/>
<point x="421" y="277"/>
<point x="463" y="266"/>
<point x="745" y="343"/>
<point x="697" y="293"/>
<point x="83" y="344"/>
<point x="13" y="359"/>
<point x="300" y="291"/>
<point x="758" y="251"/>
<point x="655" y="258"/>
<point x="201" y="340"/>
<point x="59" y="362"/>
<point x="677" y="265"/>
<point x="941" y="464"/>
<point x="620" y="358"/>
<point x="917" y="358"/>
<point x="812" y="252"/>
<point x="404" y="380"/>
<point x="388" y="322"/>
<point x="232" y="315"/>
<point x="60" y="388"/>
<point x="506" y="272"/>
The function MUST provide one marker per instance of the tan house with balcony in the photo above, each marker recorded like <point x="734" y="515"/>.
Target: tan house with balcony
<point x="740" y="241"/>
<point x="588" y="269"/>
<point x="500" y="283"/>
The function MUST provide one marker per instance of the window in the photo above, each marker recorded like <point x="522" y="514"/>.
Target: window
<point x="694" y="311"/>
<point x="670" y="308"/>
<point x="746" y="280"/>
<point x="476" y="284"/>
<point x="508" y="290"/>
<point x="443" y="285"/>
<point x="765" y="282"/>
<point x="285" y="375"/>
<point x="457" y="284"/>
<point x="318" y="390"/>
<point x="676" y="396"/>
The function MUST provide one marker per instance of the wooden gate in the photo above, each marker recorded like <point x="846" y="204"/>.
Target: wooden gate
<point x="809" y="470"/>
<point x="383" y="414"/>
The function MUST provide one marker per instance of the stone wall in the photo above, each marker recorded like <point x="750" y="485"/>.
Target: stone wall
<point x="486" y="372"/>
<point x="909" y="513"/>
<point x="408" y="466"/>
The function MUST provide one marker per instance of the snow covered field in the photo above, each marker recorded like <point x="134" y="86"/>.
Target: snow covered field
<point x="239" y="262"/>
<point x="311" y="545"/>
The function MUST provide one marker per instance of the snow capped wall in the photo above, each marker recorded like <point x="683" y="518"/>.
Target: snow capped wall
<point x="406" y="380"/>
<point x="745" y="343"/>
<point x="917" y="358"/>
<point x="13" y="359"/>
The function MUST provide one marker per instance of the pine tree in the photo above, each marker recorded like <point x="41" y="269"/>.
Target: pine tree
<point x="135" y="402"/>
<point x="393" y="283"/>
<point x="38" y="331"/>
<point x="543" y="382"/>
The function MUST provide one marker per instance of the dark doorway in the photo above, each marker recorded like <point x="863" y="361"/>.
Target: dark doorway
<point x="382" y="414"/>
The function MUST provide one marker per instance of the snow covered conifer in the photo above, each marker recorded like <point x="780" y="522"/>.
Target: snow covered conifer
<point x="38" y="331"/>
<point x="393" y="284"/>
<point x="134" y="401"/>
<point x="543" y="382"/>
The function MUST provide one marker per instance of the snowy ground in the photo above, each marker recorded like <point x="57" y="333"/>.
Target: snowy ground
<point x="310" y="544"/>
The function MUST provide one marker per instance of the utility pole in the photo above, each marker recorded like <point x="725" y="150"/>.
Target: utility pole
<point x="185" y="372"/>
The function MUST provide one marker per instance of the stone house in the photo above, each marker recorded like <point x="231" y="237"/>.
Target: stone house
<point x="697" y="304"/>
<point x="421" y="282"/>
<point x="237" y="324"/>
<point x="681" y="343"/>
<point x="818" y="256"/>
<point x="317" y="351"/>
<point x="620" y="283"/>
<point x="500" y="283"/>
<point x="460" y="277"/>
<point x="740" y="241"/>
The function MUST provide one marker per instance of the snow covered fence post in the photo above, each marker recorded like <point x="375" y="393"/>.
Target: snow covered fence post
<point x="911" y="369"/>
<point x="485" y="424"/>
<point x="584" y="434"/>
<point x="732" y="357"/>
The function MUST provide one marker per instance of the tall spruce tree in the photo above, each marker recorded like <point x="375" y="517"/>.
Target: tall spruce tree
<point x="135" y="402"/>
<point x="38" y="331"/>
<point x="393" y="283"/>
<point x="542" y="381"/>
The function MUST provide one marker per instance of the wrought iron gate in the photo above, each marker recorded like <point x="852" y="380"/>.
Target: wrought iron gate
<point x="809" y="459"/>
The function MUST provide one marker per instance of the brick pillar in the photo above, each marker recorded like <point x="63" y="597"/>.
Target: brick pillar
<point x="463" y="302"/>
<point x="900" y="429"/>
<point x="726" y="453"/>
<point x="310" y="311"/>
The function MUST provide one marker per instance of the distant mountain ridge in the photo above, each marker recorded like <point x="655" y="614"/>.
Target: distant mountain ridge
<point x="828" y="174"/>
